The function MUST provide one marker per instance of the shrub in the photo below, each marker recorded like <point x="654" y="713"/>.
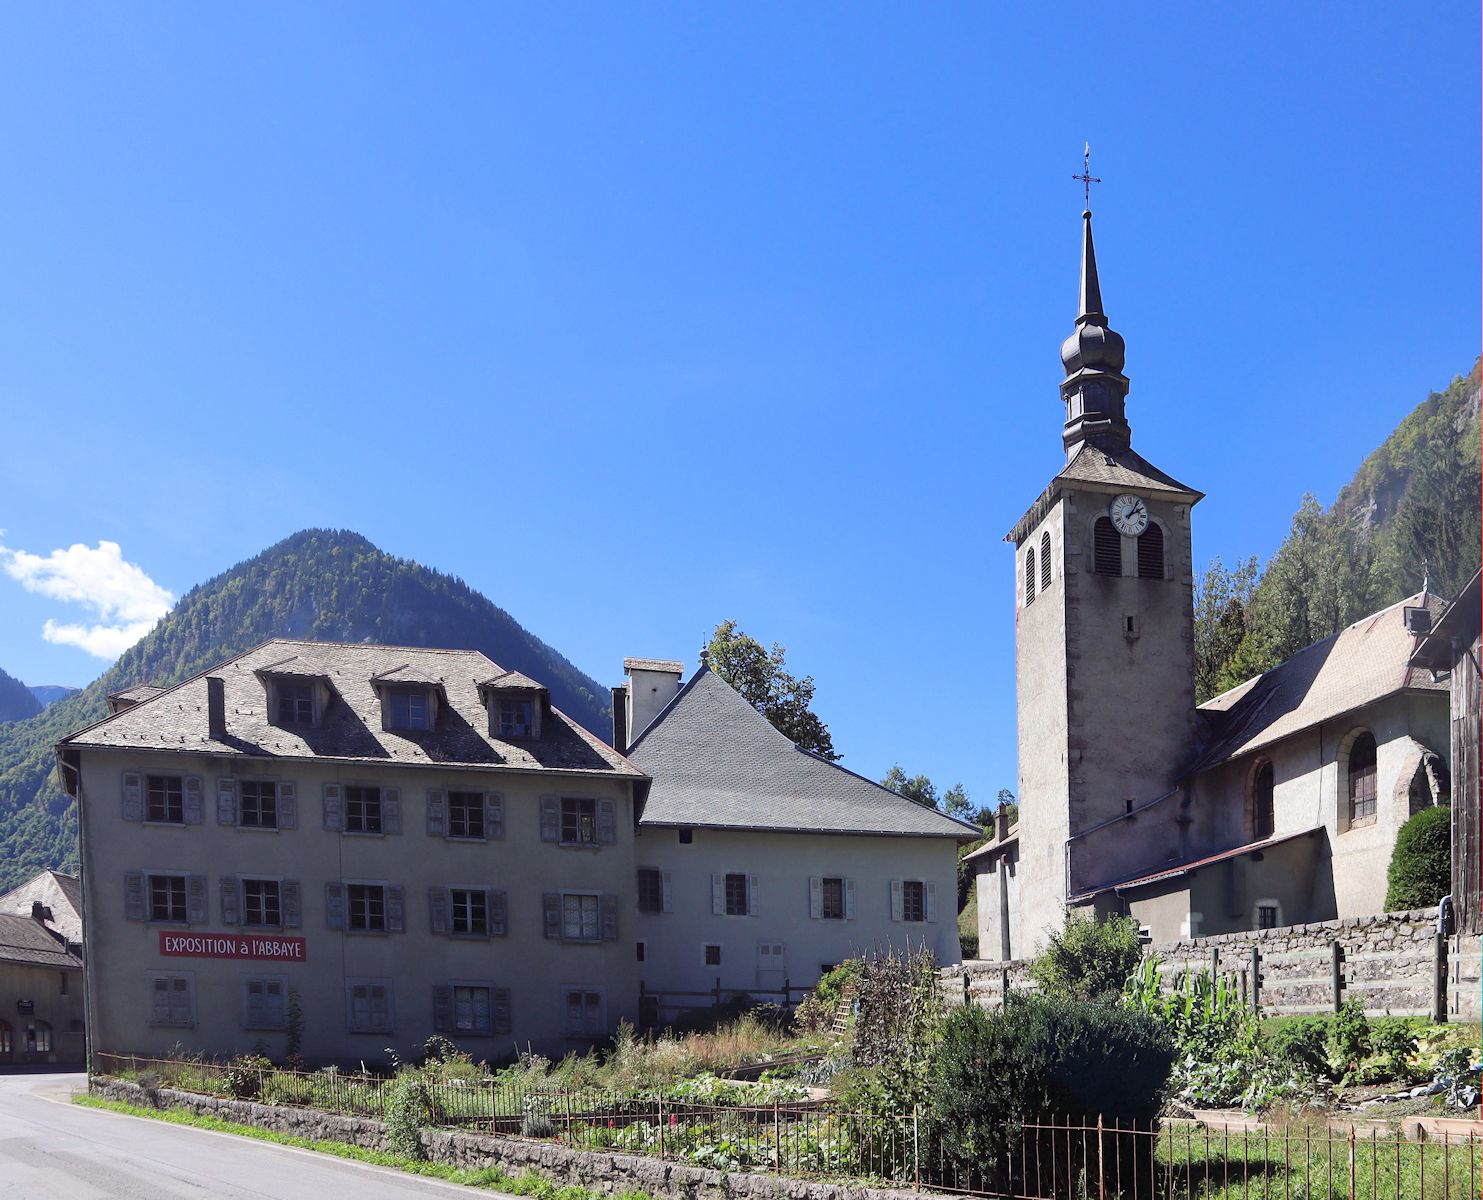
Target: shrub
<point x="968" y="944"/>
<point x="1393" y="1042"/>
<point x="1089" y="959"/>
<point x="1302" y="1045"/>
<point x="245" y="1076"/>
<point x="1349" y="1036"/>
<point x="408" y="1112"/>
<point x="1421" y="863"/>
<point x="818" y="1007"/>
<point x="1041" y="1056"/>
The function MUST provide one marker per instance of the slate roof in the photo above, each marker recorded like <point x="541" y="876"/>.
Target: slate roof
<point x="1355" y="667"/>
<point x="351" y="729"/>
<point x="22" y="940"/>
<point x="717" y="763"/>
<point x="514" y="681"/>
<point x="1186" y="868"/>
<point x="654" y="664"/>
<point x="1459" y="623"/>
<point x="1122" y="469"/>
<point x="61" y="893"/>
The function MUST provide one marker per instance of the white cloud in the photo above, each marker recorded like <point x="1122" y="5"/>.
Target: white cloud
<point x="124" y="601"/>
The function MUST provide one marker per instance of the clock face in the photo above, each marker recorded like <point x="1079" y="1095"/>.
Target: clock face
<point x="1129" y="514"/>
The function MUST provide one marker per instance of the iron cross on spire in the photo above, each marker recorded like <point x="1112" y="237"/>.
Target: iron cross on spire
<point x="1086" y="177"/>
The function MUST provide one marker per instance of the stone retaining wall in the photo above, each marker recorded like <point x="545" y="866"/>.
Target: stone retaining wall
<point x="598" y="1171"/>
<point x="1388" y="964"/>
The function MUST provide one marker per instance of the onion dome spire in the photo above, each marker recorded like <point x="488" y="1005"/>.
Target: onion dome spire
<point x="1095" y="388"/>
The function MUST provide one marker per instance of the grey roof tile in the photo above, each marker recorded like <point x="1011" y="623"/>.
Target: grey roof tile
<point x="1113" y="470"/>
<point x="60" y="893"/>
<point x="718" y="763"/>
<point x="1356" y="666"/>
<point x="351" y="729"/>
<point x="22" y="940"/>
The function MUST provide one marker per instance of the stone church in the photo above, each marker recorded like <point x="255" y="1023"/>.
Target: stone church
<point x="1273" y="804"/>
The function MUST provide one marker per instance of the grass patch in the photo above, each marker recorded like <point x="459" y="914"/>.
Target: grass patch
<point x="529" y="1183"/>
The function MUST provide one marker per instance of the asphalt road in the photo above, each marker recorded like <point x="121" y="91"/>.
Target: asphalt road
<point x="50" y="1149"/>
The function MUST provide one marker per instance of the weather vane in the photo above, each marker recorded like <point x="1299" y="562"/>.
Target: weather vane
<point x="1086" y="177"/>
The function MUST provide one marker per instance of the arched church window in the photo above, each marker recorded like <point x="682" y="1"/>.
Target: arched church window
<point x="1151" y="553"/>
<point x="1362" y="780"/>
<point x="1262" y="821"/>
<point x="1107" y="548"/>
<point x="1044" y="561"/>
<point x="1030" y="575"/>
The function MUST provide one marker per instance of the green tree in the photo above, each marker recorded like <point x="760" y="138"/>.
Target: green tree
<point x="1223" y="599"/>
<point x="761" y="678"/>
<point x="917" y="788"/>
<point x="1089" y="959"/>
<point x="1421" y="864"/>
<point x="955" y="802"/>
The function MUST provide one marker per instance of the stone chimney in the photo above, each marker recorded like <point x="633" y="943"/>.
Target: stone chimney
<point x="1001" y="822"/>
<point x="40" y="913"/>
<point x="652" y="684"/>
<point x="216" y="708"/>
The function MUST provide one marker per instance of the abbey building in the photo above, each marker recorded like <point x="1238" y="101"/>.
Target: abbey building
<point x="1273" y="804"/>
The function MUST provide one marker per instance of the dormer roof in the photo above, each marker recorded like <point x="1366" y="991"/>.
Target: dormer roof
<point x="512" y="681"/>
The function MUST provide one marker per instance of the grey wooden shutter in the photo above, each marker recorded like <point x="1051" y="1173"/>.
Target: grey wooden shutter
<point x="132" y="790"/>
<point x="293" y="906"/>
<point x="753" y="897"/>
<point x="499" y="914"/>
<point x="895" y="899"/>
<point x="334" y="809"/>
<point x="396" y="910"/>
<point x="499" y="1010"/>
<point x="191" y="803"/>
<point x="226" y="801"/>
<point x="231" y="900"/>
<point x="669" y="892"/>
<point x="438" y="905"/>
<point x="815" y="897"/>
<point x="494" y="815"/>
<point x="551" y="912"/>
<point x="437" y="813"/>
<point x="849" y="899"/>
<point x="550" y="819"/>
<point x="334" y="905"/>
<point x="288" y="805"/>
<point x="195" y="900"/>
<point x="609" y="917"/>
<point x="931" y="905"/>
<point x="718" y="895"/>
<point x="442" y="1008"/>
<point x="135" y="908"/>
<point x="607" y="823"/>
<point x="391" y="810"/>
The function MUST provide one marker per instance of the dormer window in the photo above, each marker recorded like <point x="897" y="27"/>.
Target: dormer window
<point x="295" y="703"/>
<point x="515" y="717"/>
<point x="409" y="710"/>
<point x="298" y="691"/>
<point x="518" y="706"/>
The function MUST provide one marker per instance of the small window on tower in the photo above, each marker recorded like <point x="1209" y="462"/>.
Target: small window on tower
<point x="1030" y="575"/>
<point x="1151" y="553"/>
<point x="1044" y="561"/>
<point x="1107" y="548"/>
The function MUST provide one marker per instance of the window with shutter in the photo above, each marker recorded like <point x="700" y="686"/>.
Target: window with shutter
<point x="1030" y="575"/>
<point x="1044" y="561"/>
<point x="1362" y="759"/>
<point x="494" y="815"/>
<point x="262" y="903"/>
<point x="581" y="917"/>
<point x="471" y="1009"/>
<point x="1151" y="553"/>
<point x="499" y="914"/>
<point x="172" y="1000"/>
<point x="259" y="804"/>
<point x="226" y="801"/>
<point x="1107" y="548"/>
<point x="466" y="815"/>
<point x="913" y="900"/>
<point x="362" y="809"/>
<point x="578" y="821"/>
<point x="264" y="1004"/>
<point x="365" y="907"/>
<point x="833" y="899"/>
<point x="368" y="1005"/>
<point x="167" y="898"/>
<point x="651" y="890"/>
<point x="164" y="799"/>
<point x="736" y="896"/>
<point x="470" y="911"/>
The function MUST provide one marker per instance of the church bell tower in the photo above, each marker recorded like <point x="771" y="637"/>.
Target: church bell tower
<point x="1104" y="641"/>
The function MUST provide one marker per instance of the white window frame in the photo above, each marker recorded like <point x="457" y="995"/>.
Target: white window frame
<point x="471" y="888"/>
<point x="385" y="906"/>
<point x="726" y="878"/>
<point x="561" y="837"/>
<point x="481" y="807"/>
<point x="410" y="700"/>
<point x="488" y="989"/>
<point x="596" y="898"/>
<point x="185" y="885"/>
<point x="1256" y="912"/>
<point x="180" y="784"/>
<point x="345" y="790"/>
<point x="243" y="784"/>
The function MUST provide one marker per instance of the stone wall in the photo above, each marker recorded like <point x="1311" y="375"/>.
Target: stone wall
<point x="1388" y="963"/>
<point x="598" y="1171"/>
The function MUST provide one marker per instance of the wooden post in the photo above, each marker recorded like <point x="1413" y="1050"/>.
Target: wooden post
<point x="916" y="1157"/>
<point x="1101" y="1169"/>
<point x="1338" y="954"/>
<point x="787" y="992"/>
<point x="1214" y="965"/>
<point x="661" y="1124"/>
<point x="1003" y="986"/>
<point x="1439" y="979"/>
<point x="1256" y="978"/>
<point x="716" y="1003"/>
<point x="777" y="1139"/>
<point x="965" y="989"/>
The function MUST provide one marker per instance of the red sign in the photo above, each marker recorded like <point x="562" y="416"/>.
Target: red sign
<point x="232" y="945"/>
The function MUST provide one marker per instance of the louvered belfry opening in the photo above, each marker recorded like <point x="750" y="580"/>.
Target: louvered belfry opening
<point x="1044" y="561"/>
<point x="1261" y="802"/>
<point x="1030" y="575"/>
<point x="1107" y="548"/>
<point x="1151" y="553"/>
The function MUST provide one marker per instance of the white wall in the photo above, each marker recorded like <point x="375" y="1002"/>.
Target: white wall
<point x="783" y="864"/>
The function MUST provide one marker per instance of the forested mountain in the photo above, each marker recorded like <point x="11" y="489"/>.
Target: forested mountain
<point x="1412" y="508"/>
<point x="16" y="701"/>
<point x="331" y="585"/>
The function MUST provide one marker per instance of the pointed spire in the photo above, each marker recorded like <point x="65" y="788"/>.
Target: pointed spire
<point x="1091" y="289"/>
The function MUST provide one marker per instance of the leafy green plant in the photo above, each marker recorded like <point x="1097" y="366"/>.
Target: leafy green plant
<point x="1089" y="959"/>
<point x="1349" y="1037"/>
<point x="1302" y="1045"/>
<point x="1421" y="864"/>
<point x="408" y="1113"/>
<point x="245" y="1074"/>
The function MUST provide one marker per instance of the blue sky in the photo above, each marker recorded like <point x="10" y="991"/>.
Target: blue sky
<point x="637" y="317"/>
